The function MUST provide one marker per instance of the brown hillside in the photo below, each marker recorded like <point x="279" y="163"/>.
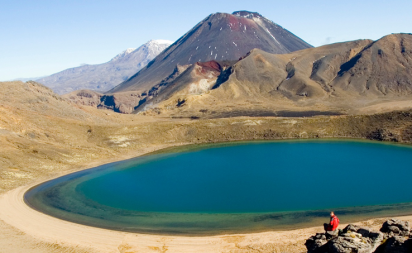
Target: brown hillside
<point x="383" y="68"/>
<point x="43" y="136"/>
<point x="343" y="78"/>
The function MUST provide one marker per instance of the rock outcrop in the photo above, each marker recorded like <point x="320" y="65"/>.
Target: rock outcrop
<point x="122" y="102"/>
<point x="394" y="236"/>
<point x="394" y="227"/>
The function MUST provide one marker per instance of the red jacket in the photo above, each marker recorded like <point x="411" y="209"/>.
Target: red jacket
<point x="334" y="223"/>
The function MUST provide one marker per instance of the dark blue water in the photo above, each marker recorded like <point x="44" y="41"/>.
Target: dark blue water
<point x="263" y="185"/>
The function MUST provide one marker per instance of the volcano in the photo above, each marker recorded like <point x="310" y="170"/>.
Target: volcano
<point x="219" y="37"/>
<point x="353" y="77"/>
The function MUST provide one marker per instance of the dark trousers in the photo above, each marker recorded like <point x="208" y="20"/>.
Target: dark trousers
<point x="327" y="227"/>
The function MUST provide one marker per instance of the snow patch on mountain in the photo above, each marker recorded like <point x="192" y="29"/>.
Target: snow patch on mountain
<point x="123" y="54"/>
<point x="168" y="42"/>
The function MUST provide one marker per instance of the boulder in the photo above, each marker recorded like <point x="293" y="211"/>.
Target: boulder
<point x="356" y="239"/>
<point x="331" y="234"/>
<point x="394" y="227"/>
<point x="398" y="244"/>
<point x="351" y="239"/>
<point x="316" y="243"/>
<point x="349" y="243"/>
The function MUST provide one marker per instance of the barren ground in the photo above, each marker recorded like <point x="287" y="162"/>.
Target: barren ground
<point x="43" y="136"/>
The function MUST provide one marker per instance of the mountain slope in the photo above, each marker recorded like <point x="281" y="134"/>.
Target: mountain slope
<point x="333" y="79"/>
<point x="384" y="68"/>
<point x="218" y="37"/>
<point x="102" y="77"/>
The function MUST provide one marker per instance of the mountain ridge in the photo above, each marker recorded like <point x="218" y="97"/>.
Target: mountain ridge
<point x="354" y="77"/>
<point x="338" y="78"/>
<point x="104" y="76"/>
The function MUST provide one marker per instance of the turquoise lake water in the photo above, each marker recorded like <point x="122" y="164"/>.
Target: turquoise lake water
<point x="236" y="187"/>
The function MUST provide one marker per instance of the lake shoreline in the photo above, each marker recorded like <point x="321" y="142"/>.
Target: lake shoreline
<point x="89" y="211"/>
<point x="14" y="211"/>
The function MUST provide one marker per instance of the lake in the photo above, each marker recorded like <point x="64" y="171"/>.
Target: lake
<point x="236" y="187"/>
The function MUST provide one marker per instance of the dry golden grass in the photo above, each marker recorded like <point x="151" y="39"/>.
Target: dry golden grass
<point x="43" y="136"/>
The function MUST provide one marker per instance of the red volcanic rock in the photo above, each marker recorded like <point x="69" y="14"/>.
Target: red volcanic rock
<point x="207" y="67"/>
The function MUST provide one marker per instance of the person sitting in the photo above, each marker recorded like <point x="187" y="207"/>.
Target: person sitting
<point x="333" y="224"/>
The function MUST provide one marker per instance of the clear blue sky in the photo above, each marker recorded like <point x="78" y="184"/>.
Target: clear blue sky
<point x="39" y="37"/>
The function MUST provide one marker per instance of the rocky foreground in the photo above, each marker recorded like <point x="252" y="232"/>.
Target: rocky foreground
<point x="394" y="236"/>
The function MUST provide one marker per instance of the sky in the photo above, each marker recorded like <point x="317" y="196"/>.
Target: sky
<point x="42" y="37"/>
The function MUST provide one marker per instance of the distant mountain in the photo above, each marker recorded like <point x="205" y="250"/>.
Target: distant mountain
<point x="218" y="37"/>
<point x="25" y="79"/>
<point x="103" y="77"/>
